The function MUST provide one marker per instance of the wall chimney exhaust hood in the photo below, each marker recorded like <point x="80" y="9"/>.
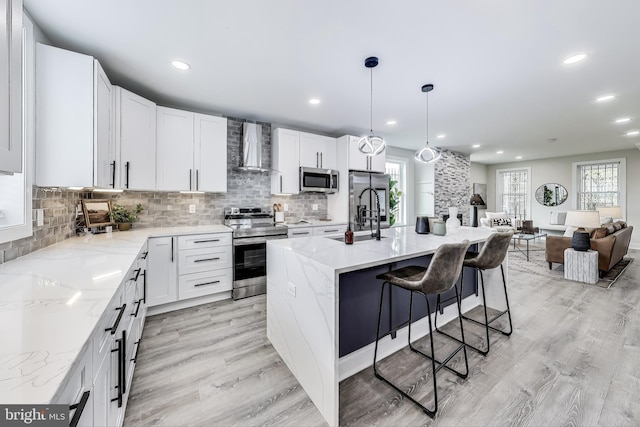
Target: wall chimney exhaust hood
<point x="252" y="148"/>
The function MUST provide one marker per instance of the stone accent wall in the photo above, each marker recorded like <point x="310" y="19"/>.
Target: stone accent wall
<point x="167" y="209"/>
<point x="452" y="184"/>
<point x="59" y="208"/>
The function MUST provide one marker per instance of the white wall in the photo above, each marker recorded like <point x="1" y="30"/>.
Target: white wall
<point x="478" y="173"/>
<point x="560" y="170"/>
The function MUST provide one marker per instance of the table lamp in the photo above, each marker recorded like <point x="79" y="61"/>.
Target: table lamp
<point x="582" y="220"/>
<point x="614" y="212"/>
<point x="476" y="200"/>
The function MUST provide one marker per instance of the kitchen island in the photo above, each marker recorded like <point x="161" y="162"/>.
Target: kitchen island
<point x="308" y="277"/>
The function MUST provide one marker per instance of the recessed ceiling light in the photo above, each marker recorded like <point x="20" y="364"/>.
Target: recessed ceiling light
<point x="314" y="101"/>
<point x="475" y="146"/>
<point x="499" y="152"/>
<point x="604" y="98"/>
<point x="633" y="133"/>
<point x="442" y="135"/>
<point x="392" y="122"/>
<point x="623" y="120"/>
<point x="181" y="65"/>
<point x="575" y="58"/>
<point x="518" y="157"/>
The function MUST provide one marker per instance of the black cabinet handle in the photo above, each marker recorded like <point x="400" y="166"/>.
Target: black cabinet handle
<point x="190" y="173"/>
<point x="79" y="407"/>
<point x="138" y="270"/>
<point x="172" y="249"/>
<point x="321" y="160"/>
<point x="124" y="364"/>
<point x="138" y="303"/>
<point x="299" y="233"/>
<point x="206" y="241"/>
<point x="114" y="328"/>
<point x="119" y="386"/>
<point x="207" y="283"/>
<point x="135" y="355"/>
<point x="317" y="160"/>
<point x="197" y="180"/>
<point x="113" y="175"/>
<point x="331" y="231"/>
<point x="207" y="259"/>
<point x="281" y="183"/>
<point x="144" y="255"/>
<point x="126" y="168"/>
<point x="144" y="286"/>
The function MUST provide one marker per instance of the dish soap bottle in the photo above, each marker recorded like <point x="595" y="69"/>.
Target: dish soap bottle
<point x="348" y="235"/>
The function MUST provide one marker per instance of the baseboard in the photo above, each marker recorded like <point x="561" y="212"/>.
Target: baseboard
<point x="191" y="302"/>
<point x="362" y="358"/>
<point x="635" y="246"/>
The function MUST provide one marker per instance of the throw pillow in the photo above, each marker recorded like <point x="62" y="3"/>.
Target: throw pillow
<point x="492" y="215"/>
<point x="623" y="224"/>
<point x="611" y="229"/>
<point x="599" y="233"/>
<point x="617" y="226"/>
<point x="501" y="221"/>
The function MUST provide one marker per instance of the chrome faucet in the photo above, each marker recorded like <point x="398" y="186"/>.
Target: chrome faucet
<point x="362" y="211"/>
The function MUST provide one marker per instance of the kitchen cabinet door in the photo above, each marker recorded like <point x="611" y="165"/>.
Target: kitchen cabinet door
<point x="174" y="154"/>
<point x="11" y="86"/>
<point x="317" y="151"/>
<point x="105" y="152"/>
<point x="285" y="158"/>
<point x="361" y="162"/>
<point x="136" y="140"/>
<point x="161" y="276"/>
<point x="377" y="163"/>
<point x="210" y="153"/>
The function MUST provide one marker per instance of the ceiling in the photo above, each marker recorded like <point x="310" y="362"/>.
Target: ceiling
<point x="497" y="66"/>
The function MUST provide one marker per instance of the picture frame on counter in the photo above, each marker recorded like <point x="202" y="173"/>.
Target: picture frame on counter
<point x="97" y="213"/>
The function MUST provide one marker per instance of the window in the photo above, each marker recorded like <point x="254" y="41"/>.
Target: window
<point x="600" y="183"/>
<point x="397" y="187"/>
<point x="513" y="190"/>
<point x="15" y="190"/>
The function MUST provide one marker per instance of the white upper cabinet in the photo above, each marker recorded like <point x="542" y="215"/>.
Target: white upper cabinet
<point x="285" y="160"/>
<point x="317" y="151"/>
<point x="210" y="153"/>
<point x="361" y="162"/>
<point x="135" y="164"/>
<point x="10" y="86"/>
<point x="73" y="98"/>
<point x="191" y="151"/>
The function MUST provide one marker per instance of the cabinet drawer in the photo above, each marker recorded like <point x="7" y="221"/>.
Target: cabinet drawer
<point x="300" y="232"/>
<point x="210" y="282"/>
<point x="329" y="229"/>
<point x="76" y="389"/>
<point x="204" y="241"/>
<point x="205" y="259"/>
<point x="102" y="337"/>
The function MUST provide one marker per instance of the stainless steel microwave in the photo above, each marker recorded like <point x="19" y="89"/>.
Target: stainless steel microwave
<point x="318" y="180"/>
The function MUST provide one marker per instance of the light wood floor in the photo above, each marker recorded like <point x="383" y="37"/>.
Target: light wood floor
<point x="573" y="359"/>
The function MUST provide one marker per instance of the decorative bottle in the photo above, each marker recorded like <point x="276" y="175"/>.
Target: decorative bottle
<point x="348" y="235"/>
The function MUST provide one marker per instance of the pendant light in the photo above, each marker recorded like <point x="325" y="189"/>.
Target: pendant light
<point x="428" y="154"/>
<point x="371" y="144"/>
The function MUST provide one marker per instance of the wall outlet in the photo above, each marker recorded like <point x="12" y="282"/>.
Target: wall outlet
<point x="39" y="217"/>
<point x="314" y="207"/>
<point x="292" y="289"/>
<point x="192" y="208"/>
<point x="286" y="207"/>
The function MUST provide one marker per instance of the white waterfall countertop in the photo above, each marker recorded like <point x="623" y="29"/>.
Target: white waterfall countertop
<point x="52" y="299"/>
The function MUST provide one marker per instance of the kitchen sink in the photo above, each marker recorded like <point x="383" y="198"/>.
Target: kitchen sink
<point x="357" y="238"/>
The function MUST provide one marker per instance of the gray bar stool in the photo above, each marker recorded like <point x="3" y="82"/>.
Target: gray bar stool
<point x="491" y="255"/>
<point x="439" y="277"/>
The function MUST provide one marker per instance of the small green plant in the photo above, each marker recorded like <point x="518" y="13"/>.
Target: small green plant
<point x="394" y="200"/>
<point x="120" y="214"/>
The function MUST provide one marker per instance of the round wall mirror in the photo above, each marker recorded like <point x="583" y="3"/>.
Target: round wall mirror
<point x="551" y="194"/>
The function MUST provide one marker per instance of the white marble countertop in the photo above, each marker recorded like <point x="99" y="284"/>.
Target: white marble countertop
<point x="52" y="300"/>
<point x="397" y="243"/>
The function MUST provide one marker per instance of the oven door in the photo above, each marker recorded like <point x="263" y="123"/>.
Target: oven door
<point x="250" y="266"/>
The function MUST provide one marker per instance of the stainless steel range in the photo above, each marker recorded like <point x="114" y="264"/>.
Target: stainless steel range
<point x="252" y="227"/>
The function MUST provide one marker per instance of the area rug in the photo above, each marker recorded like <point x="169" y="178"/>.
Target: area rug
<point x="537" y="264"/>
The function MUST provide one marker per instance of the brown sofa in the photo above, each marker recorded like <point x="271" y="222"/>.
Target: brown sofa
<point x="611" y="241"/>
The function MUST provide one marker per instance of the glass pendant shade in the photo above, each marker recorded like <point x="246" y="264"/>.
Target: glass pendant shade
<point x="371" y="144"/>
<point x="428" y="154"/>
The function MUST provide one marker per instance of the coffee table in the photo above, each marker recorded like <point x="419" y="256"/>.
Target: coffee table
<point x="527" y="238"/>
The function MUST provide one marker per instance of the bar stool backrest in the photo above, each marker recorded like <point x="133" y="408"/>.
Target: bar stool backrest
<point x="493" y="251"/>
<point x="444" y="268"/>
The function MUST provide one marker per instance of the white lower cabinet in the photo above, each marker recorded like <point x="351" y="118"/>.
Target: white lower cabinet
<point x="190" y="266"/>
<point x="327" y="230"/>
<point x="300" y="232"/>
<point x="77" y="391"/>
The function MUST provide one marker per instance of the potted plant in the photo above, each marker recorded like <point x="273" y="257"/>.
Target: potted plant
<point x="123" y="216"/>
<point x="394" y="201"/>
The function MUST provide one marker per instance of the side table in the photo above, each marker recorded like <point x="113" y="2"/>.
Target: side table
<point x="581" y="266"/>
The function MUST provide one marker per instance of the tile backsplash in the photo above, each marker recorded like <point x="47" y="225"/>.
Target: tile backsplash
<point x="163" y="209"/>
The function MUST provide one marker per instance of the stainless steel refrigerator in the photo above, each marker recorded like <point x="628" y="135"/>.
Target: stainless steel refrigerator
<point x="362" y="201"/>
